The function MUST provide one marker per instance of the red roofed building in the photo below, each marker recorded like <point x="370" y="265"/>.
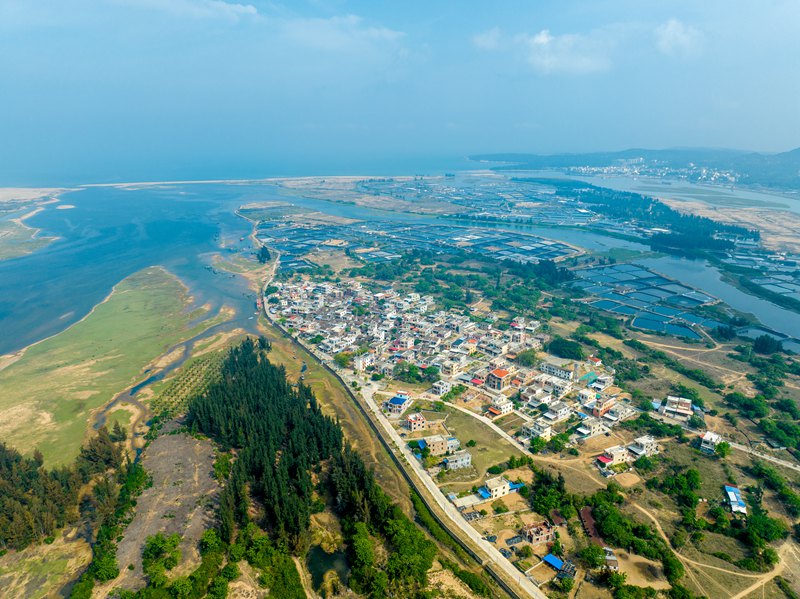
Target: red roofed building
<point x="498" y="379"/>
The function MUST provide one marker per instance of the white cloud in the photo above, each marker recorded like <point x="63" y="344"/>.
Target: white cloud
<point x="197" y="9"/>
<point x="674" y="38"/>
<point x="337" y="33"/>
<point x="488" y="40"/>
<point x="568" y="53"/>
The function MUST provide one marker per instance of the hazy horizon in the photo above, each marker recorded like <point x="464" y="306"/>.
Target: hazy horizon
<point x="116" y="90"/>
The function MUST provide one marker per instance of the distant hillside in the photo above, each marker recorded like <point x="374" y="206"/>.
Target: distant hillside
<point x="773" y="170"/>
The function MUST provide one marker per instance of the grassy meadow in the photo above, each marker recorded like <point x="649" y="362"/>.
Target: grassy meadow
<point x="49" y="391"/>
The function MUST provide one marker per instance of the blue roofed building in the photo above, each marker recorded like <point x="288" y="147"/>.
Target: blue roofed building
<point x="397" y="404"/>
<point x="734" y="496"/>
<point x="553" y="561"/>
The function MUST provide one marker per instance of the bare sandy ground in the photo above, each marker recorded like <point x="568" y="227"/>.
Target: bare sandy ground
<point x="26" y="194"/>
<point x="181" y="500"/>
<point x="778" y="227"/>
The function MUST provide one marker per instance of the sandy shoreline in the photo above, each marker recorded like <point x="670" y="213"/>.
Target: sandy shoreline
<point x="28" y="194"/>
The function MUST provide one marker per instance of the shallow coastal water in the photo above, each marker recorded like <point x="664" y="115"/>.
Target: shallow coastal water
<point x="112" y="232"/>
<point x="108" y="235"/>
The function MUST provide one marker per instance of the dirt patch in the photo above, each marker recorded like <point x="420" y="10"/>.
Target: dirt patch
<point x="446" y="584"/>
<point x="181" y="500"/>
<point x="43" y="570"/>
<point x="246" y="586"/>
<point x="627" y="479"/>
<point x="641" y="571"/>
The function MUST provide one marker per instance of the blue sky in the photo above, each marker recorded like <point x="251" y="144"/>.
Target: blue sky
<point x="139" y="89"/>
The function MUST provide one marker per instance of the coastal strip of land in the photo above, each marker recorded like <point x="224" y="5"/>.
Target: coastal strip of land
<point x="49" y="390"/>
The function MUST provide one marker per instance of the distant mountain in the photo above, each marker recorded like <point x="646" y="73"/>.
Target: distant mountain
<point x="771" y="170"/>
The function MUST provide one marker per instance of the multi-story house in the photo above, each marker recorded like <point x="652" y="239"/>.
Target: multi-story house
<point x="557" y="412"/>
<point x="460" y="459"/>
<point x="498" y="379"/>
<point x="436" y="444"/>
<point x="416" y="422"/>
<point x="498" y="487"/>
<point x="645" y="445"/>
<point x="538" y="533"/>
<point x="538" y="428"/>
<point x="563" y="369"/>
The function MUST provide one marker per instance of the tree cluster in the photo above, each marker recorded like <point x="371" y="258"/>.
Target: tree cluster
<point x="36" y="502"/>
<point x="278" y="432"/>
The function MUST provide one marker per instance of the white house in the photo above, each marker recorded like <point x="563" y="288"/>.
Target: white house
<point x="460" y="459"/>
<point x="498" y="487"/>
<point x="563" y="369"/>
<point x="591" y="427"/>
<point x="500" y="407"/>
<point x="557" y="412"/>
<point x="678" y="408"/>
<point x="709" y="441"/>
<point x="538" y="428"/>
<point x="613" y="455"/>
<point x="442" y="387"/>
<point x="645" y="445"/>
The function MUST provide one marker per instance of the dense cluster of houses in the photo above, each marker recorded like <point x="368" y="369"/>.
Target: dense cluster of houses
<point x="382" y="329"/>
<point x="387" y="327"/>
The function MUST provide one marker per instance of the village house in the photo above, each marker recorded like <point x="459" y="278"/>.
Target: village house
<point x="441" y="387"/>
<point x="535" y="396"/>
<point x="453" y="444"/>
<point x="645" y="445"/>
<point x="611" y="561"/>
<point x="678" y="408"/>
<point x="557" y="367"/>
<point x="497" y="487"/>
<point x="709" y="441"/>
<point x="538" y="428"/>
<point x="602" y="382"/>
<point x="460" y="459"/>
<point x="436" y="444"/>
<point x="500" y="407"/>
<point x="498" y="379"/>
<point x="603" y="405"/>
<point x="363" y="361"/>
<point x="416" y="422"/>
<point x="591" y="427"/>
<point x="397" y="405"/>
<point x="450" y="368"/>
<point x="618" y="454"/>
<point x="735" y="501"/>
<point x="557" y="412"/>
<point x="552" y="384"/>
<point x="538" y="533"/>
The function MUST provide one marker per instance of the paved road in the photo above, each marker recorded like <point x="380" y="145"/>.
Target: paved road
<point x="491" y="555"/>
<point x="450" y="511"/>
<point x="766" y="457"/>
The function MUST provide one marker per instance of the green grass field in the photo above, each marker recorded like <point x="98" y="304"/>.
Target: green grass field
<point x="18" y="240"/>
<point x="490" y="448"/>
<point x="48" y="395"/>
